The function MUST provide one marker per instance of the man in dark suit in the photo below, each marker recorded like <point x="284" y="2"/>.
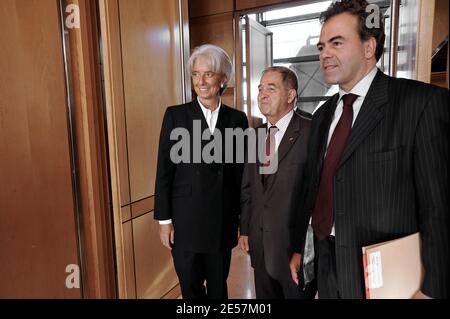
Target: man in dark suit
<point x="378" y="161"/>
<point x="196" y="200"/>
<point x="269" y="201"/>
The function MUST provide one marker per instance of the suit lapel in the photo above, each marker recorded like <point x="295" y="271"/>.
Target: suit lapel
<point x="293" y="132"/>
<point x="369" y="115"/>
<point x="196" y="113"/>
<point x="289" y="137"/>
<point x="222" y="119"/>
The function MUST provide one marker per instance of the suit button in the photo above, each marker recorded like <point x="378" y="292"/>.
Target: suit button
<point x="219" y="173"/>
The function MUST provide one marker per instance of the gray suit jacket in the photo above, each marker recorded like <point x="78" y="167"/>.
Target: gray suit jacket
<point x="268" y="211"/>
<point x="392" y="179"/>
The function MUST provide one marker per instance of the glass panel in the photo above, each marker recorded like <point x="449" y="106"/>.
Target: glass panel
<point x="310" y="83"/>
<point x="408" y="22"/>
<point x="309" y="107"/>
<point x="252" y="16"/>
<point x="310" y="79"/>
<point x="383" y="63"/>
<point x="295" y="39"/>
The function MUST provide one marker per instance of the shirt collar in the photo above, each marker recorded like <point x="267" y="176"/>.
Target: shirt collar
<point x="206" y="110"/>
<point x="282" y="123"/>
<point x="362" y="87"/>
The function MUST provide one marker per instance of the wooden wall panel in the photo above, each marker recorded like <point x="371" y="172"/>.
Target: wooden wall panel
<point x="143" y="45"/>
<point x="440" y="31"/>
<point x="125" y="213"/>
<point x="424" y="40"/>
<point x="152" y="81"/>
<point x="143" y="206"/>
<point x="198" y="8"/>
<point x="115" y="114"/>
<point x="128" y="252"/>
<point x="37" y="218"/>
<point x="89" y="128"/>
<point x="153" y="262"/>
<point x="439" y="79"/>
<point x="114" y="98"/>
<point x="228" y="97"/>
<point x="440" y="28"/>
<point x="217" y="29"/>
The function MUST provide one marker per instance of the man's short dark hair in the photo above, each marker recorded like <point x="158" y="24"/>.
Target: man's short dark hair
<point x="287" y="75"/>
<point x="358" y="9"/>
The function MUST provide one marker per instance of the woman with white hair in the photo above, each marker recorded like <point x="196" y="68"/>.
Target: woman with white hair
<point x="196" y="201"/>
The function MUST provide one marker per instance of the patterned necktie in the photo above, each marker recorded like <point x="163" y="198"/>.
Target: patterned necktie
<point x="269" y="151"/>
<point x="322" y="217"/>
<point x="269" y="148"/>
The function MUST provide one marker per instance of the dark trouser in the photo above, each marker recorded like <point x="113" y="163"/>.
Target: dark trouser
<point x="193" y="269"/>
<point x="267" y="287"/>
<point x="326" y="268"/>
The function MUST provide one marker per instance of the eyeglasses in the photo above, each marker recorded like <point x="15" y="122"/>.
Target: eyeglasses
<point x="208" y="74"/>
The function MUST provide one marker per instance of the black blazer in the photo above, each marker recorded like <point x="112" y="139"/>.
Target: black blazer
<point x="392" y="179"/>
<point x="268" y="211"/>
<point x="201" y="199"/>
